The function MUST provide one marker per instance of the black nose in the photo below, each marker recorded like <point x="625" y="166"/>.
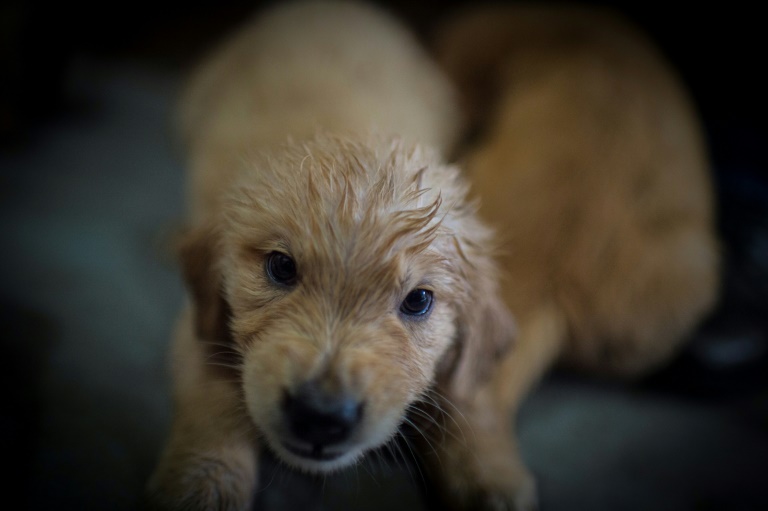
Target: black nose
<point x="320" y="418"/>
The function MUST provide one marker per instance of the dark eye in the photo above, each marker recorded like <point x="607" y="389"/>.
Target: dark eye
<point x="281" y="268"/>
<point x="417" y="303"/>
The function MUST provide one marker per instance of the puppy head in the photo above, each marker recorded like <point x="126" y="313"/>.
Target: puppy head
<point x="351" y="278"/>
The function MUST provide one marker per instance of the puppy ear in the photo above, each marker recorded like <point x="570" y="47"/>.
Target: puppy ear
<point x="198" y="255"/>
<point x="485" y="331"/>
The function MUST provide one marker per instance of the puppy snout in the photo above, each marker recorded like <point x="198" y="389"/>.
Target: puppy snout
<point x="321" y="418"/>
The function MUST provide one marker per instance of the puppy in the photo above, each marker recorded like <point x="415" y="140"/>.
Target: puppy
<point x="339" y="279"/>
<point x="590" y="163"/>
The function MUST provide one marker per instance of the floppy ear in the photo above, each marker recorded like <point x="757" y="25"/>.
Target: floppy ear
<point x="485" y="330"/>
<point x="198" y="255"/>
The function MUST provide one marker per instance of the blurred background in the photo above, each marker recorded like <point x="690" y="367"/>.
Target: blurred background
<point x="91" y="187"/>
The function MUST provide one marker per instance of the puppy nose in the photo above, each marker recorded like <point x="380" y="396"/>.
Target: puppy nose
<point x="320" y="418"/>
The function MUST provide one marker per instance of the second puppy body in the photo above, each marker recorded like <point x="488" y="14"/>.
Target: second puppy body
<point x="591" y="165"/>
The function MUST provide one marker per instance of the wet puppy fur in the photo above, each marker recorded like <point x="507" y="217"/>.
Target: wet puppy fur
<point x="341" y="282"/>
<point x="339" y="277"/>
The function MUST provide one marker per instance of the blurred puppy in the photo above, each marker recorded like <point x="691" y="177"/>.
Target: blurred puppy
<point x="339" y="279"/>
<point x="589" y="162"/>
<point x="340" y="282"/>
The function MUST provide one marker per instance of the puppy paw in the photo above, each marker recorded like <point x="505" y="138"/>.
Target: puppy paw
<point x="485" y="480"/>
<point x="521" y="496"/>
<point x="207" y="484"/>
<point x="514" y="496"/>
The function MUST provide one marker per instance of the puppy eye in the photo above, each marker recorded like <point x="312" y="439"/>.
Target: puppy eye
<point x="417" y="303"/>
<point x="281" y="268"/>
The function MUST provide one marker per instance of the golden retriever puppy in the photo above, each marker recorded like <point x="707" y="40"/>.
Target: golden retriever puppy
<point x="339" y="278"/>
<point x="590" y="164"/>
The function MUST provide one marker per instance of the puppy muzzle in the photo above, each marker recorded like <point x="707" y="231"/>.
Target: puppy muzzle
<point x="318" y="422"/>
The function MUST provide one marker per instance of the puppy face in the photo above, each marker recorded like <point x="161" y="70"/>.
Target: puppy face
<point x="351" y="281"/>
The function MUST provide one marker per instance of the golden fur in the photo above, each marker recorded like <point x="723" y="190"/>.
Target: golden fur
<point x="590" y="163"/>
<point x="594" y="171"/>
<point x="305" y="137"/>
<point x="319" y="131"/>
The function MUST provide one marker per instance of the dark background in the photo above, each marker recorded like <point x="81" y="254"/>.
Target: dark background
<point x="719" y="47"/>
<point x="62" y="67"/>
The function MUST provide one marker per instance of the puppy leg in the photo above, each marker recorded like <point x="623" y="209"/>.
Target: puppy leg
<point x="210" y="460"/>
<point x="477" y="463"/>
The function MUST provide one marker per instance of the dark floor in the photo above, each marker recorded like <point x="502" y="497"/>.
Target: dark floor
<point x="88" y="199"/>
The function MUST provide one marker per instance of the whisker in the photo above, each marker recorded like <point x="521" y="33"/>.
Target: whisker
<point x="357" y="475"/>
<point x="223" y="344"/>
<point x="381" y="461"/>
<point x="414" y="457"/>
<point x="226" y="348"/>
<point x="401" y="457"/>
<point x="368" y="471"/>
<point x="426" y="439"/>
<point x="393" y="456"/>
<point x="223" y="364"/>
<point x="413" y="408"/>
<point x="272" y="479"/>
<point x="439" y="426"/>
<point x="446" y="400"/>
